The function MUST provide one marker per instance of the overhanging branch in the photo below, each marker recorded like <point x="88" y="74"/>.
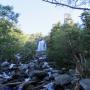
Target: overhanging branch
<point x="62" y="4"/>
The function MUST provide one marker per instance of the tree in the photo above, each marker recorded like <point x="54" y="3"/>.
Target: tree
<point x="64" y="43"/>
<point x="7" y="13"/>
<point x="69" y="45"/>
<point x="74" y="4"/>
<point x="85" y="16"/>
<point x="29" y="49"/>
<point x="11" y="38"/>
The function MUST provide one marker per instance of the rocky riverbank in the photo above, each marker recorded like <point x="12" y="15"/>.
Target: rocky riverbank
<point x="39" y="75"/>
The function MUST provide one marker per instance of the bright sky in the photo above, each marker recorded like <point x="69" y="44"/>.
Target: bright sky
<point x="38" y="16"/>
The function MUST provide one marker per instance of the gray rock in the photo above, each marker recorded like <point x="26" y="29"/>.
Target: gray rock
<point x="62" y="79"/>
<point x="57" y="71"/>
<point x="72" y="72"/>
<point x="5" y="63"/>
<point x="45" y="65"/>
<point x="38" y="74"/>
<point x="49" y="86"/>
<point x="23" y="66"/>
<point x="85" y="83"/>
<point x="55" y="75"/>
<point x="11" y="66"/>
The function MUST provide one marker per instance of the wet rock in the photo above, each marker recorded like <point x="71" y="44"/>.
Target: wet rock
<point x="23" y="66"/>
<point x="5" y="66"/>
<point x="45" y="65"/>
<point x="5" y="63"/>
<point x="57" y="71"/>
<point x="6" y="76"/>
<point x="39" y="74"/>
<point x="55" y="75"/>
<point x="62" y="79"/>
<point x="11" y="66"/>
<point x="49" y="86"/>
<point x="71" y="72"/>
<point x="85" y="84"/>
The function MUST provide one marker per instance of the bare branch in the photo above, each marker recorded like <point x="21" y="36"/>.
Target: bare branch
<point x="62" y="4"/>
<point x="76" y="2"/>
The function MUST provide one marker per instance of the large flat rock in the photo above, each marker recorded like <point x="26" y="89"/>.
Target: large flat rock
<point x="85" y="83"/>
<point x="62" y="79"/>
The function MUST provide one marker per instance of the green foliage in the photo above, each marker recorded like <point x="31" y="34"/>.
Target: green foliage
<point x="85" y="16"/>
<point x="29" y="49"/>
<point x="7" y="13"/>
<point x="63" y="42"/>
<point x="11" y="40"/>
<point x="69" y="40"/>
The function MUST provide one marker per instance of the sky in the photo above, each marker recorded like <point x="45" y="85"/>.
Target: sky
<point x="38" y="16"/>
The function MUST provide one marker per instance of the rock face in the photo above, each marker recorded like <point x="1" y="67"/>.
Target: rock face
<point x="85" y="84"/>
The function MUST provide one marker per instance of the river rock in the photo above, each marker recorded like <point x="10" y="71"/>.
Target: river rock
<point x="39" y="74"/>
<point x="62" y="79"/>
<point x="85" y="84"/>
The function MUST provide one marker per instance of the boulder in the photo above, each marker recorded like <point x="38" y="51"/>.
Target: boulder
<point x="39" y="74"/>
<point x="62" y="79"/>
<point x="49" y="86"/>
<point x="85" y="84"/>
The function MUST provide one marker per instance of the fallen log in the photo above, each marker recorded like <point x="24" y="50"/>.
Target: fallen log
<point x="16" y="83"/>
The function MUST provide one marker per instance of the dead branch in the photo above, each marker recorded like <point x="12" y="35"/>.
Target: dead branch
<point x="62" y="4"/>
